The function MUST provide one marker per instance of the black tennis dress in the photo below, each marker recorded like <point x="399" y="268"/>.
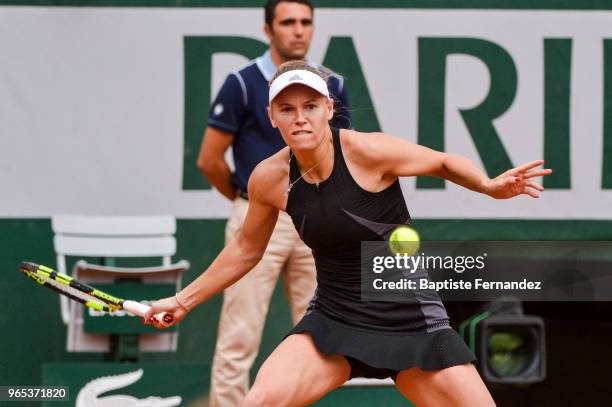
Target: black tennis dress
<point x="378" y="338"/>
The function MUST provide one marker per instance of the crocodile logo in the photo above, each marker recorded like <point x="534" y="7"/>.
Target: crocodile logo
<point x="89" y="396"/>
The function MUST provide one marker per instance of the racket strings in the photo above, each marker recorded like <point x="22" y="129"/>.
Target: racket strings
<point x="74" y="293"/>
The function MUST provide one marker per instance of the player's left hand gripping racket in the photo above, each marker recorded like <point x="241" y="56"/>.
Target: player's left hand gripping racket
<point x="85" y="294"/>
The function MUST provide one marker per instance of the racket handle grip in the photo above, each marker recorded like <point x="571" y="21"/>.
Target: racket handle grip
<point x="137" y="308"/>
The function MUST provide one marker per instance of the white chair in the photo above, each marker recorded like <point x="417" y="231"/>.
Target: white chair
<point x="115" y="237"/>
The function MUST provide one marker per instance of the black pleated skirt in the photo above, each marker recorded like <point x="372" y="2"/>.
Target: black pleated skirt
<point x="376" y="354"/>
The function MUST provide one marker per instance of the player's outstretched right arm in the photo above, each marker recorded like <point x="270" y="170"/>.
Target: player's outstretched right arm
<point x="236" y="259"/>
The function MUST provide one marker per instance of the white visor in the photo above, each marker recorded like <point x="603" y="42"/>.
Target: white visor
<point x="298" y="77"/>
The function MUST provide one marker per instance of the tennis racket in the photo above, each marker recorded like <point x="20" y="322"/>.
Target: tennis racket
<point x="85" y="294"/>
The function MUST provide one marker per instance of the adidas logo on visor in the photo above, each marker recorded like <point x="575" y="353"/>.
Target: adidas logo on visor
<point x="295" y="77"/>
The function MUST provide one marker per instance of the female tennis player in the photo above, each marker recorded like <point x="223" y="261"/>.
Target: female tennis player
<point x="339" y="187"/>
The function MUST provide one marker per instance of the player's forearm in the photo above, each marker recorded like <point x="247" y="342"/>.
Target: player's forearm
<point x="230" y="266"/>
<point x="220" y="176"/>
<point x="464" y="172"/>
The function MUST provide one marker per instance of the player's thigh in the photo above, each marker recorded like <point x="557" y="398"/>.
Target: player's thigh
<point x="454" y="386"/>
<point x="297" y="374"/>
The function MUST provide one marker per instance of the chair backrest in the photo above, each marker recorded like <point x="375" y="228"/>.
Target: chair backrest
<point x="113" y="236"/>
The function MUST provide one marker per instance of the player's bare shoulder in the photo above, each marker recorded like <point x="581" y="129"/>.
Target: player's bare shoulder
<point x="269" y="180"/>
<point x="363" y="148"/>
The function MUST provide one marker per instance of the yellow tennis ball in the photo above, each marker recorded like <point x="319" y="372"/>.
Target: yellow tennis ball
<point x="404" y="240"/>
